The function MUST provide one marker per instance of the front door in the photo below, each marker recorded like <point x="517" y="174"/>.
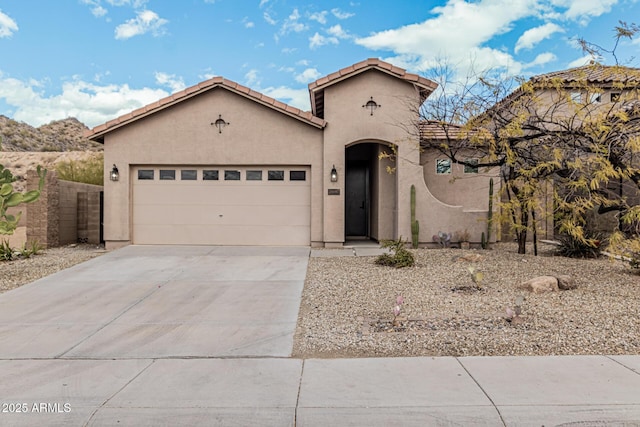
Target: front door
<point x="356" y="201"/>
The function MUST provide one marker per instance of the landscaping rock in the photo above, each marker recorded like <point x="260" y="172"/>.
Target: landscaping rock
<point x="541" y="284"/>
<point x="566" y="283"/>
<point x="469" y="258"/>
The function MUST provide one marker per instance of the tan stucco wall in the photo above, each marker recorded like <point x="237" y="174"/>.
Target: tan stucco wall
<point x="350" y="123"/>
<point x="183" y="135"/>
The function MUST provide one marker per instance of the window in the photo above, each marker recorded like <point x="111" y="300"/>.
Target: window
<point x="595" y="98"/>
<point x="254" y="175"/>
<point x="297" y="176"/>
<point x="443" y="166"/>
<point x="472" y="167"/>
<point x="576" y="97"/>
<point x="615" y="96"/>
<point x="167" y="174"/>
<point x="188" y="174"/>
<point x="230" y="175"/>
<point x="209" y="175"/>
<point x="276" y="175"/>
<point x="145" y="174"/>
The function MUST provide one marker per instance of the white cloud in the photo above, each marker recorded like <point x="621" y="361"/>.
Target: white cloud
<point x="340" y="14"/>
<point x="267" y="17"/>
<point x="298" y="98"/>
<point x="580" y="61"/>
<point x="176" y="84"/>
<point x="542" y="59"/>
<point x="90" y="103"/>
<point x="146" y="21"/>
<point x="252" y="78"/>
<point x="422" y="46"/>
<point x="580" y="9"/>
<point x="308" y="75"/>
<point x="533" y="36"/>
<point x="338" y="32"/>
<point x="320" y="17"/>
<point x="7" y="25"/>
<point x="263" y="2"/>
<point x="317" y="40"/>
<point x="293" y="24"/>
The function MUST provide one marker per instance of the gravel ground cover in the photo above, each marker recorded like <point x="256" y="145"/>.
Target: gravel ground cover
<point x="347" y="307"/>
<point x="22" y="271"/>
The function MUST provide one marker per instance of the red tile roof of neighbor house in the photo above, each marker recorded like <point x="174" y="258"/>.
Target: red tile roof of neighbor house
<point x="98" y="132"/>
<point x="593" y="74"/>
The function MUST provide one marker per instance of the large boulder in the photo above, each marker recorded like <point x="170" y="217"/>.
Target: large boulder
<point x="566" y="283"/>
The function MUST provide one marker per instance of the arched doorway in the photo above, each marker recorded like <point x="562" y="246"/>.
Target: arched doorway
<point x="369" y="194"/>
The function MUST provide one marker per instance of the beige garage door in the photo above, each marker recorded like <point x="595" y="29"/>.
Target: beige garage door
<point x="221" y="205"/>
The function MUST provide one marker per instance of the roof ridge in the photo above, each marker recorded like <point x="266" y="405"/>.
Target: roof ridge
<point x="203" y="86"/>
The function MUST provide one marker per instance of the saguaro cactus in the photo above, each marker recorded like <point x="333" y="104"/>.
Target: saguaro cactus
<point x="485" y="239"/>
<point x="9" y="198"/>
<point x="415" y="225"/>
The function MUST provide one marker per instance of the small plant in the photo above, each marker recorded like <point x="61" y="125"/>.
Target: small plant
<point x="573" y="247"/>
<point x="444" y="239"/>
<point x="476" y="277"/>
<point x="397" y="309"/>
<point x="513" y="314"/>
<point x="29" y="249"/>
<point x="462" y="236"/>
<point x="400" y="256"/>
<point x="6" y="253"/>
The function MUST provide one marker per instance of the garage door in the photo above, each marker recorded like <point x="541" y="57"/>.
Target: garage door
<point x="222" y="205"/>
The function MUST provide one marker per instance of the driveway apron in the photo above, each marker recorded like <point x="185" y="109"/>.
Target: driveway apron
<point x="157" y="302"/>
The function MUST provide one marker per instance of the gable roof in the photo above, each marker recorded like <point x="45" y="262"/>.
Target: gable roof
<point x="98" y="132"/>
<point x="316" y="89"/>
<point x="594" y="74"/>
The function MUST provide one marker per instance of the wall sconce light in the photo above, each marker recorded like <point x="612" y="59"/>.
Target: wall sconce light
<point x="220" y="123"/>
<point x="114" y="175"/>
<point x="371" y="105"/>
<point x="334" y="174"/>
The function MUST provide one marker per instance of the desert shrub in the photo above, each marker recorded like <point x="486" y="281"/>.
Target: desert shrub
<point x="89" y="171"/>
<point x="399" y="256"/>
<point x="6" y="253"/>
<point x="572" y="247"/>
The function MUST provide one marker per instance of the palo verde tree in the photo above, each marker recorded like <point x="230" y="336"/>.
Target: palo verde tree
<point x="577" y="128"/>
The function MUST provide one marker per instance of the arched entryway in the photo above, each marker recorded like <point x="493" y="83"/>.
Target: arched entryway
<point x="370" y="193"/>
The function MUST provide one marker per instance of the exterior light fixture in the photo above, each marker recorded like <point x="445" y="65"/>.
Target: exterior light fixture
<point x="371" y="105"/>
<point x="220" y="123"/>
<point x="334" y="174"/>
<point x="114" y="175"/>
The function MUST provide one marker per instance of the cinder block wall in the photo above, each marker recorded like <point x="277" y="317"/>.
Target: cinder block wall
<point x="53" y="219"/>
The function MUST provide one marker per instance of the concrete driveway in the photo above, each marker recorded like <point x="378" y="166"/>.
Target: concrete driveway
<point x="190" y="336"/>
<point x="152" y="302"/>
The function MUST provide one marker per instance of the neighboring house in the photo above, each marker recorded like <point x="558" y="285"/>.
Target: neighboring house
<point x="221" y="164"/>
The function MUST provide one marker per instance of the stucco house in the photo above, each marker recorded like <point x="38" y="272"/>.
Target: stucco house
<point x="221" y="164"/>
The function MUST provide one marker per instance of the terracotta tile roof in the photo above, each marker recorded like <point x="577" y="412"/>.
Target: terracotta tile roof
<point x="435" y="130"/>
<point x="98" y="132"/>
<point x="593" y="74"/>
<point x="316" y="89"/>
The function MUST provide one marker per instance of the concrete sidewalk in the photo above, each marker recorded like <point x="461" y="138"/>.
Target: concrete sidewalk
<point x="188" y="336"/>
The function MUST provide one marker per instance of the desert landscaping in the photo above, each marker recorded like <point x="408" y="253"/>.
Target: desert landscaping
<point x="348" y="306"/>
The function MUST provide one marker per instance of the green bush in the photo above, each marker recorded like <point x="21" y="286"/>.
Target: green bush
<point x="6" y="253"/>
<point x="573" y="247"/>
<point x="89" y="171"/>
<point x="399" y="257"/>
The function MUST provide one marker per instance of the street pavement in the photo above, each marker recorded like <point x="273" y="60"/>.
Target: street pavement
<point x="193" y="335"/>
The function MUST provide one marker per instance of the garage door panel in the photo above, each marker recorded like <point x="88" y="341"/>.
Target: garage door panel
<point x="222" y="212"/>
<point x="224" y="235"/>
<point x="204" y="195"/>
<point x="221" y="215"/>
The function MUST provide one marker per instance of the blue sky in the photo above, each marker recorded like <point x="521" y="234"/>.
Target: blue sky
<point x="98" y="59"/>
